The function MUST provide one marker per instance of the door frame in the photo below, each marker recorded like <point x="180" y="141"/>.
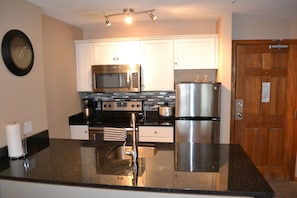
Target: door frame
<point x="291" y="151"/>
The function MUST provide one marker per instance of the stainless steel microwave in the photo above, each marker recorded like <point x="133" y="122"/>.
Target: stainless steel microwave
<point x="116" y="78"/>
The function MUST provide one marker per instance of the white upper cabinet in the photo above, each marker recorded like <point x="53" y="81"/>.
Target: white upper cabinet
<point x="158" y="58"/>
<point x="157" y="65"/>
<point x="122" y="52"/>
<point x="84" y="60"/>
<point x="196" y="53"/>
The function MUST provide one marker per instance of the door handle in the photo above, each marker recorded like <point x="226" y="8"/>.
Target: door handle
<point x="238" y="109"/>
<point x="129" y="80"/>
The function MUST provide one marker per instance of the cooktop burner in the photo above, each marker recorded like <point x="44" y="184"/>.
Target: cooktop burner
<point x="115" y="118"/>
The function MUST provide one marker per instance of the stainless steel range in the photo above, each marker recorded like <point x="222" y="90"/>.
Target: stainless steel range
<point x="113" y="121"/>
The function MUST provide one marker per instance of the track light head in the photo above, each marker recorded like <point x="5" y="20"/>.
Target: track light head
<point x="153" y="17"/>
<point x="108" y="24"/>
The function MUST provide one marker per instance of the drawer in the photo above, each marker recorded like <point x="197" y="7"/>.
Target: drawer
<point x="155" y="134"/>
<point x="79" y="132"/>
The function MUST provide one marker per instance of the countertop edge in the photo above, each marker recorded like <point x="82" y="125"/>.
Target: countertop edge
<point x="143" y="189"/>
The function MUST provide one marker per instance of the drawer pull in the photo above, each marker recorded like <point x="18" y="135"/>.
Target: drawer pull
<point x="155" y="132"/>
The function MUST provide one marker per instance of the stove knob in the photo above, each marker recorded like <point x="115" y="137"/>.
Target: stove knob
<point x="132" y="105"/>
<point x="109" y="106"/>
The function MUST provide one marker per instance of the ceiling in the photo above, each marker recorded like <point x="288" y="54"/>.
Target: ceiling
<point x="83" y="13"/>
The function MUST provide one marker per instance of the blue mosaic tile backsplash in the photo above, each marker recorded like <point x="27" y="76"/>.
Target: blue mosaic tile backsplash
<point x="151" y="100"/>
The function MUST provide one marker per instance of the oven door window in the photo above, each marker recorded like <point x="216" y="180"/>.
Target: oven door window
<point x="111" y="80"/>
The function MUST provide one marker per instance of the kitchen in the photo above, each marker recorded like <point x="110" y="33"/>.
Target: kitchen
<point x="42" y="96"/>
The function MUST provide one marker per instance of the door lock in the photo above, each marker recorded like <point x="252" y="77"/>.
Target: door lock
<point x="238" y="110"/>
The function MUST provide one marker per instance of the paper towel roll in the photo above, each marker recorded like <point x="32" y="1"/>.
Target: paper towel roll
<point x="14" y="141"/>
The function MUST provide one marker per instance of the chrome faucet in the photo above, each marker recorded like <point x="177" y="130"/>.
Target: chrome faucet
<point x="133" y="152"/>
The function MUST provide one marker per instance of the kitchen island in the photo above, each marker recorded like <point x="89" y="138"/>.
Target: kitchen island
<point x="85" y="168"/>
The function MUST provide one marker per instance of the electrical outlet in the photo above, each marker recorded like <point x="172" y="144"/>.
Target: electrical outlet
<point x="28" y="127"/>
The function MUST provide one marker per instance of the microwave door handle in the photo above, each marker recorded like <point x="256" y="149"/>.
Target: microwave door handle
<point x="129" y="80"/>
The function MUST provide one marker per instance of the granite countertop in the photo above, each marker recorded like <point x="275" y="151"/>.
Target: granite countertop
<point x="216" y="169"/>
<point x="152" y="119"/>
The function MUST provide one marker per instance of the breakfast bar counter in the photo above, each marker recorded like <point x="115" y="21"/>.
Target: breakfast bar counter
<point x="189" y="170"/>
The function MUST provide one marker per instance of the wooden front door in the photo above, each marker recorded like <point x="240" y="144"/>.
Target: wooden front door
<point x="263" y="99"/>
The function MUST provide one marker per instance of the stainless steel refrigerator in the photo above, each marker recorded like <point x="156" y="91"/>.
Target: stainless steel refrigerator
<point x="197" y="112"/>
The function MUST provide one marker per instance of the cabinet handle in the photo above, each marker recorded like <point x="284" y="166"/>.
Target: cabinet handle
<point x="86" y="131"/>
<point x="155" y="132"/>
<point x="113" y="58"/>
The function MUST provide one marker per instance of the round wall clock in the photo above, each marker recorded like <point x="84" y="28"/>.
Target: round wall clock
<point x="17" y="52"/>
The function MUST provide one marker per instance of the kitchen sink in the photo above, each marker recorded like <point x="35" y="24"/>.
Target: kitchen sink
<point x="143" y="152"/>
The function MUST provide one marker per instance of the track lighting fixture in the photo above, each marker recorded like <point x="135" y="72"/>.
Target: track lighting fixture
<point x="129" y="13"/>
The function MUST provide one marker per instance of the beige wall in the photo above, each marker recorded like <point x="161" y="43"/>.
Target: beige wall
<point x="224" y="73"/>
<point x="22" y="98"/>
<point x="62" y="99"/>
<point x="258" y="27"/>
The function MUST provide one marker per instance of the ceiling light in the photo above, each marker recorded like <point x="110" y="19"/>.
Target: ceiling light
<point x="129" y="12"/>
<point x="128" y="19"/>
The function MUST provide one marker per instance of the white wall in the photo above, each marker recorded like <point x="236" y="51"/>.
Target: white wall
<point x="149" y="28"/>
<point x="22" y="98"/>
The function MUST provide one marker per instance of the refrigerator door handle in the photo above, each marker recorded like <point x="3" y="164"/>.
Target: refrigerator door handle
<point x="238" y="113"/>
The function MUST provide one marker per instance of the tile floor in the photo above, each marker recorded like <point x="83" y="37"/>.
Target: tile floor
<point x="284" y="189"/>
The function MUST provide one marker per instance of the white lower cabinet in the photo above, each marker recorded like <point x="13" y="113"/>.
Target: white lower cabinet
<point x="79" y="132"/>
<point x="156" y="134"/>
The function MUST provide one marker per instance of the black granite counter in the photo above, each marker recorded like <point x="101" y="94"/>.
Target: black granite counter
<point x="173" y="168"/>
<point x="151" y="118"/>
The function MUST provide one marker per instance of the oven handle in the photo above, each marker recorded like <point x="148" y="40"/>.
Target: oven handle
<point x="102" y="128"/>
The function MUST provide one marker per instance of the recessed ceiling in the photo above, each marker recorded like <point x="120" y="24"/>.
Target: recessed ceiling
<point x="91" y="12"/>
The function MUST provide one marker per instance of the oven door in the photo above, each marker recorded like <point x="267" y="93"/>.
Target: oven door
<point x="98" y="133"/>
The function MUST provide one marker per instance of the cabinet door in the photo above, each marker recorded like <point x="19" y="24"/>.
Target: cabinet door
<point x="157" y="65"/>
<point x="105" y="53"/>
<point x="200" y="53"/>
<point x="128" y="52"/>
<point x="79" y="132"/>
<point x="84" y="60"/>
<point x="156" y="134"/>
<point x="125" y="52"/>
